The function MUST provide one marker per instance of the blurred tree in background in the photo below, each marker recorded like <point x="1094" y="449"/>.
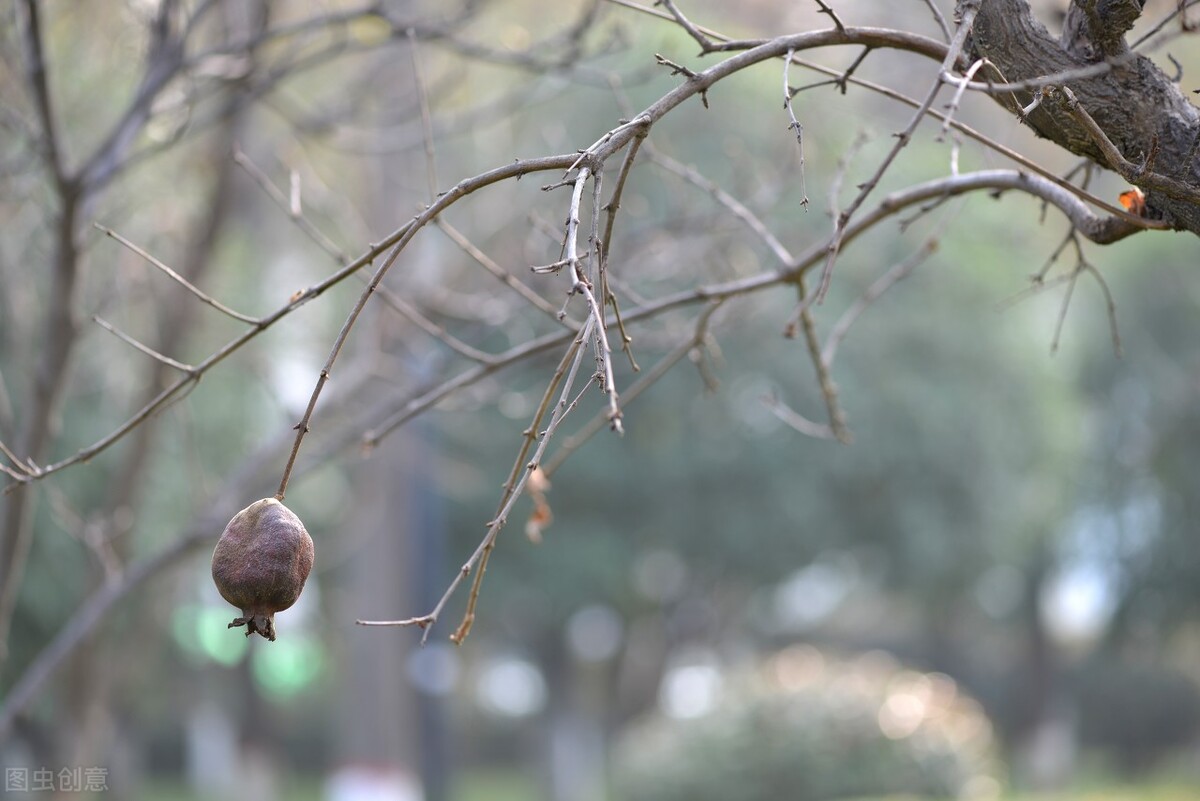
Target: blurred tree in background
<point x="203" y="198"/>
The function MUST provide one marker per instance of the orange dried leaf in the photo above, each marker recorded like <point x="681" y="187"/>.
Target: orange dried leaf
<point x="541" y="515"/>
<point x="538" y="520"/>
<point x="1134" y="202"/>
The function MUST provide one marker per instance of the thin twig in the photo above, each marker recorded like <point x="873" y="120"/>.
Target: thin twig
<point x="426" y="120"/>
<point x="1066" y="303"/>
<point x="1071" y="238"/>
<point x="939" y="18"/>
<point x="146" y="349"/>
<point x="705" y="43"/>
<point x="1180" y="10"/>
<point x="413" y="314"/>
<point x="1035" y="84"/>
<point x="518" y="475"/>
<point x="389" y="297"/>
<point x="306" y="225"/>
<point x="644" y="382"/>
<point x="829" y="392"/>
<point x="1035" y="288"/>
<point x="447" y="199"/>
<point x="179" y="279"/>
<point x="735" y="206"/>
<point x="795" y="420"/>
<point x="832" y="15"/>
<point x="794" y="124"/>
<point x="12" y="457"/>
<point x="403" y="234"/>
<point x="1101" y="229"/>
<point x="962" y="87"/>
<point x="605" y="244"/>
<point x="1111" y="307"/>
<point x="8" y="471"/>
<point x="489" y="541"/>
<point x="583" y="286"/>
<point x="509" y="280"/>
<point x="969" y="12"/>
<point x="554" y="267"/>
<point x="883" y="283"/>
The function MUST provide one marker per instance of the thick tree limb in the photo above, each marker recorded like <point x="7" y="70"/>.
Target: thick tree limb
<point x="1137" y="106"/>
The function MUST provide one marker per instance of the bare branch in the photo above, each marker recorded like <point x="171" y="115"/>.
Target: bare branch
<point x="402" y="234"/>
<point x="706" y="45"/>
<point x="939" y="18"/>
<point x="1179" y="11"/>
<point x="829" y="393"/>
<point x="562" y="408"/>
<point x="179" y="279"/>
<point x="1072" y="279"/>
<point x="413" y="314"/>
<point x="1099" y="229"/>
<point x="1110" y="306"/>
<point x="584" y="287"/>
<point x="297" y="216"/>
<point x="398" y="304"/>
<point x="426" y="123"/>
<point x="603" y="244"/>
<point x="459" y="191"/>
<point x="735" y="206"/>
<point x="572" y="443"/>
<point x="832" y="15"/>
<point x="509" y="280"/>
<point x="883" y="283"/>
<point x="518" y="476"/>
<point x="902" y="140"/>
<point x="887" y="91"/>
<point x="146" y="349"/>
<point x="16" y="460"/>
<point x="794" y="124"/>
<point x="962" y="86"/>
<point x="796" y="420"/>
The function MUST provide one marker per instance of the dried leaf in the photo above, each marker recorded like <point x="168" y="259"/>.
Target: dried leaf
<point x="541" y="517"/>
<point x="1134" y="202"/>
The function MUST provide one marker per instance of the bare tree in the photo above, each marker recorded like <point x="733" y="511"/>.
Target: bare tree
<point x="1089" y="91"/>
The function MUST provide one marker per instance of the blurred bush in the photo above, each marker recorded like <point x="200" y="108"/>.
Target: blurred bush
<point x="808" y="727"/>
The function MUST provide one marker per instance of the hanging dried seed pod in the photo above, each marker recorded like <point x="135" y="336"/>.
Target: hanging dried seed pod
<point x="261" y="562"/>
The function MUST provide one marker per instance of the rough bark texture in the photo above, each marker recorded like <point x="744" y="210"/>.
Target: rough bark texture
<point x="1134" y="102"/>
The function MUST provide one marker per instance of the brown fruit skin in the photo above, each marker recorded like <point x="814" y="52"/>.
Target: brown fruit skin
<point x="261" y="562"/>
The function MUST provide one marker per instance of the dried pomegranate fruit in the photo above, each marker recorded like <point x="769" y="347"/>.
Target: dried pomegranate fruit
<point x="261" y="562"/>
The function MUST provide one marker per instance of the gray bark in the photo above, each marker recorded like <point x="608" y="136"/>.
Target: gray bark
<point x="1134" y="102"/>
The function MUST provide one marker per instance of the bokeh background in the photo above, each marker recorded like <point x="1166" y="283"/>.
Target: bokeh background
<point x="992" y="592"/>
